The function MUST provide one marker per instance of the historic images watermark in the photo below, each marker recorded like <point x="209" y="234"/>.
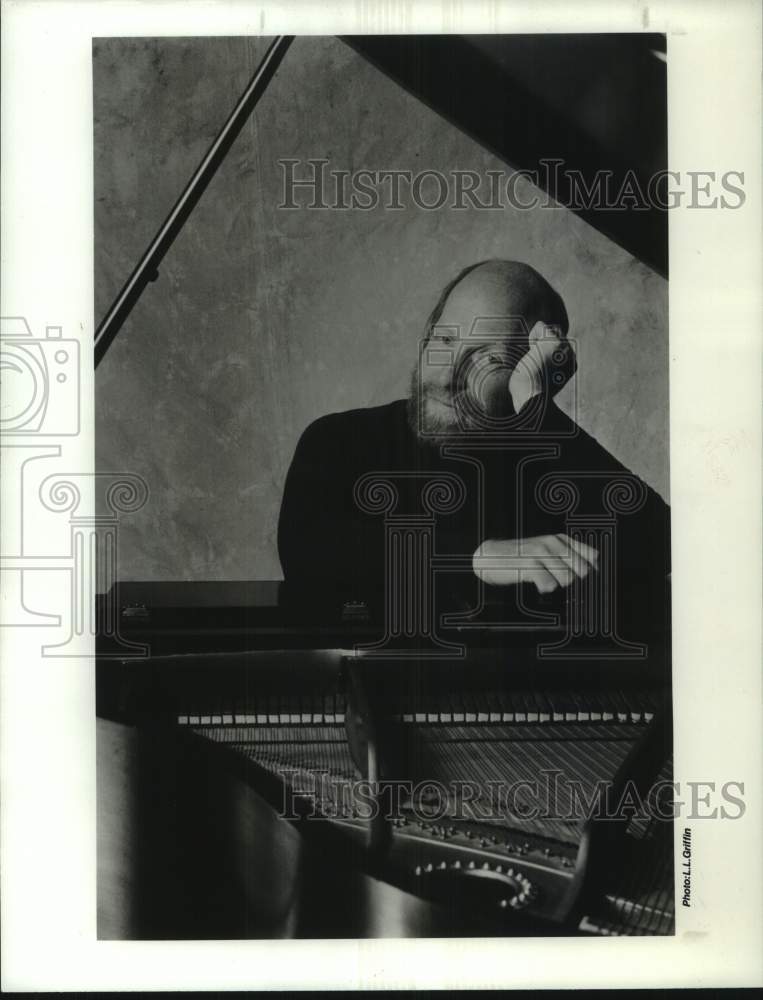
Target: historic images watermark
<point x="314" y="183"/>
<point x="549" y="796"/>
<point x="41" y="412"/>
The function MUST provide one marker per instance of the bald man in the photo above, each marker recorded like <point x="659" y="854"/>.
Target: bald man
<point x="494" y="354"/>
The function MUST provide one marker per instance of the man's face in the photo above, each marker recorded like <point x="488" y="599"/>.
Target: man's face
<point x="461" y="384"/>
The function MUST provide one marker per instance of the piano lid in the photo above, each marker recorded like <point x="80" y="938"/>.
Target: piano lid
<point x="595" y="102"/>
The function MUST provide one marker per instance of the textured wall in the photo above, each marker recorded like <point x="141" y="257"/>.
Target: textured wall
<point x="264" y="319"/>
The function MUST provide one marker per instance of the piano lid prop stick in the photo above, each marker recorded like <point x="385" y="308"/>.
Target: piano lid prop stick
<point x="147" y="268"/>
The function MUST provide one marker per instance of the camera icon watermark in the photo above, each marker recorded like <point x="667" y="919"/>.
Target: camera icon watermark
<point x="40" y="564"/>
<point x="40" y="379"/>
<point x="494" y="381"/>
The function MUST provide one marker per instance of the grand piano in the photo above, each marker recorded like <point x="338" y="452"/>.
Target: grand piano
<point x="487" y="782"/>
<point x="275" y="764"/>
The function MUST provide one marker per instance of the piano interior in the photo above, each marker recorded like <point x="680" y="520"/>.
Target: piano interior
<point x="511" y="795"/>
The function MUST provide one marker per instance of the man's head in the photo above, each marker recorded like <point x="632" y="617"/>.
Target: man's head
<point x="473" y="340"/>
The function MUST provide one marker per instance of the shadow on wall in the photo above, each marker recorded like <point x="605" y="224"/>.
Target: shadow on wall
<point x="265" y="318"/>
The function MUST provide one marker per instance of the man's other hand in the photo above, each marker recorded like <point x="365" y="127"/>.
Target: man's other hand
<point x="548" y="561"/>
<point x="546" y="368"/>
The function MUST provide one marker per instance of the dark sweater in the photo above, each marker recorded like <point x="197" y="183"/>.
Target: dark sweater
<point x="328" y="544"/>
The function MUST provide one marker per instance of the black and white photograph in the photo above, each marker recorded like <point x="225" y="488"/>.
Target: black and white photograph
<point x="381" y="485"/>
<point x="388" y="651"/>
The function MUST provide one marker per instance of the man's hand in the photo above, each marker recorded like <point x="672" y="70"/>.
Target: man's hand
<point x="546" y="367"/>
<point x="548" y="561"/>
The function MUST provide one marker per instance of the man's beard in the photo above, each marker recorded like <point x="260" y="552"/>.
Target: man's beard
<point x="430" y="420"/>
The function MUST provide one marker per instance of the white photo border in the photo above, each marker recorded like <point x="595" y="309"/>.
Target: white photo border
<point x="48" y="703"/>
